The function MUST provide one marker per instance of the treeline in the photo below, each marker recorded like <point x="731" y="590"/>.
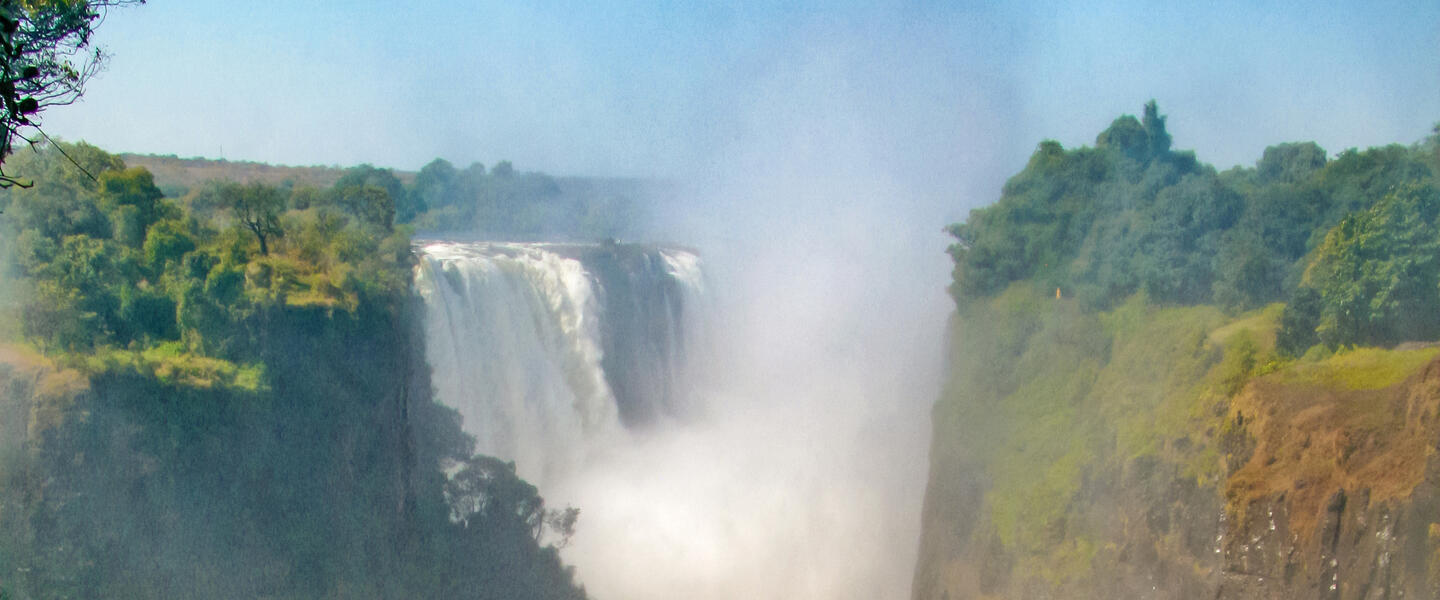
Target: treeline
<point x="109" y="263"/>
<point x="503" y="202"/>
<point x="235" y="403"/>
<point x="175" y="176"/>
<point x="500" y="202"/>
<point x="1348" y="242"/>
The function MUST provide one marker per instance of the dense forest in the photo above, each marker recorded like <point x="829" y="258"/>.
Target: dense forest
<point x="1349" y="243"/>
<point x="1143" y="344"/>
<point x="224" y="395"/>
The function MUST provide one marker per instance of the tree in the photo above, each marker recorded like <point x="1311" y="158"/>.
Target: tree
<point x="133" y="202"/>
<point x="432" y="188"/>
<point x="257" y="206"/>
<point x="1155" y="130"/>
<point x="1127" y="136"/>
<point x="1297" y="323"/>
<point x="45" y="60"/>
<point x="351" y="191"/>
<point x="373" y="204"/>
<point x="1290" y="163"/>
<point x="1378" y="272"/>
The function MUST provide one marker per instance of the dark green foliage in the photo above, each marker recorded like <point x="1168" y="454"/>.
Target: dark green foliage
<point x="1289" y="163"/>
<point x="373" y="204"/>
<point x="135" y="188"/>
<point x="1131" y="215"/>
<point x="1101" y="222"/>
<point x="1355" y="180"/>
<point x="434" y="187"/>
<point x="501" y="203"/>
<point x="1248" y="274"/>
<point x="167" y="243"/>
<point x="450" y="196"/>
<point x="520" y="203"/>
<point x="509" y="204"/>
<point x="1046" y="213"/>
<point x="501" y="520"/>
<point x="1156" y="137"/>
<point x="147" y="315"/>
<point x="1378" y="272"/>
<point x="1126" y="136"/>
<point x="256" y="207"/>
<point x="1297" y="325"/>
<point x="376" y="195"/>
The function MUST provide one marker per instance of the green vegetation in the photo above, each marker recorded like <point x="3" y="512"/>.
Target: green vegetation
<point x="1376" y="275"/>
<point x="1168" y="361"/>
<point x="112" y="263"/>
<point x="499" y="203"/>
<point x="1360" y="369"/>
<point x="224" y="395"/>
<point x="1132" y="215"/>
<point x="505" y="203"/>
<point x="1068" y="394"/>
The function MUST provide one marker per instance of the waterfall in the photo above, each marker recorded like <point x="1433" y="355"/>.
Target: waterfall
<point x="546" y="349"/>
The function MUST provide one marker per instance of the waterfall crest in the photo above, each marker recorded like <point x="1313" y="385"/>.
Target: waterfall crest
<point x="546" y="349"/>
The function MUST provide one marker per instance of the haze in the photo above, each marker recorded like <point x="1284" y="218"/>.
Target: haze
<point x="820" y="151"/>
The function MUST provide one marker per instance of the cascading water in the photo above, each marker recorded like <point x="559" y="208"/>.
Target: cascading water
<point x="547" y="349"/>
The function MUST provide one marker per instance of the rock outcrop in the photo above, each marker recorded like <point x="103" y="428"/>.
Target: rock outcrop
<point x="1304" y="479"/>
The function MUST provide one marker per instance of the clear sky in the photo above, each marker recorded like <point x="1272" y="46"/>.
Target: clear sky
<point x="951" y="93"/>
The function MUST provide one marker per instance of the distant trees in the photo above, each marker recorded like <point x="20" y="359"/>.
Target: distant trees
<point x="1127" y="136"/>
<point x="507" y="203"/>
<point x="1290" y="163"/>
<point x="373" y="204"/>
<point x="504" y="203"/>
<point x="433" y="184"/>
<point x="377" y="194"/>
<point x="1154" y="124"/>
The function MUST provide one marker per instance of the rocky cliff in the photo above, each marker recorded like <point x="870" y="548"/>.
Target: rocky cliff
<point x="1166" y="453"/>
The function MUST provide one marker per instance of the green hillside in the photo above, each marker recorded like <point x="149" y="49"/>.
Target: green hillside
<point x="1146" y="352"/>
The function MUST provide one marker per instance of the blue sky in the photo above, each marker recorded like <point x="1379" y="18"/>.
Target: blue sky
<point x="950" y="94"/>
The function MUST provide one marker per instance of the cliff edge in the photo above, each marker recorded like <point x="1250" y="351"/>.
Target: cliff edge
<point x="1148" y="452"/>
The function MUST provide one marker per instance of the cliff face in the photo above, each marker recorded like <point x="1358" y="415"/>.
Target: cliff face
<point x="128" y="474"/>
<point x="1148" y="453"/>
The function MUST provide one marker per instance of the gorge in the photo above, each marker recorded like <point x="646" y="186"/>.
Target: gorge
<point x="696" y="416"/>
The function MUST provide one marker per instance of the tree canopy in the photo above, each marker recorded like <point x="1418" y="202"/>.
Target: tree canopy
<point x="1132" y="215"/>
